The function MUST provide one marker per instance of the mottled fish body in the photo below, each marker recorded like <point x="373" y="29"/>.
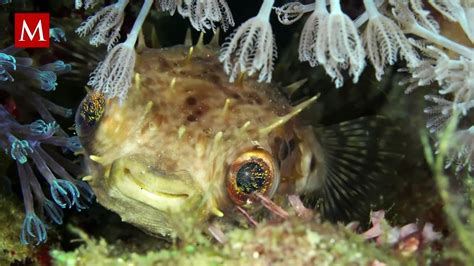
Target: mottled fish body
<point x="185" y="140"/>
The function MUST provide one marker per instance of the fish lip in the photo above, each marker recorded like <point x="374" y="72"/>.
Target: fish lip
<point x="134" y="183"/>
<point x="172" y="195"/>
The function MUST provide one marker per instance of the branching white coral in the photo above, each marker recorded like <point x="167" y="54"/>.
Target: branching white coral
<point x="104" y="26"/>
<point x="203" y="14"/>
<point x="251" y="48"/>
<point x="113" y="76"/>
<point x="461" y="150"/>
<point x="384" y="39"/>
<point x="411" y="12"/>
<point x="339" y="45"/>
<point x="438" y="112"/>
<point x="421" y="75"/>
<point x="425" y="73"/>
<point x="310" y="33"/>
<point x="452" y="68"/>
<point x="329" y="38"/>
<point x="408" y="19"/>
<point x="86" y="3"/>
<point x="422" y="16"/>
<point x="455" y="76"/>
<point x="169" y="5"/>
<point x="291" y="12"/>
<point x="456" y="12"/>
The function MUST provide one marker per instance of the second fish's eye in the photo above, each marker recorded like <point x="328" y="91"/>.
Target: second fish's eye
<point x="90" y="111"/>
<point x="252" y="172"/>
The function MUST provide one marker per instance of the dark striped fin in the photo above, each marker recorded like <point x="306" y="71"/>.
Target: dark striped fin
<point x="361" y="157"/>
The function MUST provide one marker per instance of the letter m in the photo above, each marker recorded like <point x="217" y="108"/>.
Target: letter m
<point x="25" y="37"/>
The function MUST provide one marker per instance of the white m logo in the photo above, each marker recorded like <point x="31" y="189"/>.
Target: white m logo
<point x="38" y="29"/>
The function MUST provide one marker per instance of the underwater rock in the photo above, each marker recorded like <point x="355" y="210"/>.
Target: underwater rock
<point x="293" y="242"/>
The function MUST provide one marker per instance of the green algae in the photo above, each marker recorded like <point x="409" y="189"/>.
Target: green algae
<point x="291" y="242"/>
<point x="458" y="207"/>
<point x="11" y="219"/>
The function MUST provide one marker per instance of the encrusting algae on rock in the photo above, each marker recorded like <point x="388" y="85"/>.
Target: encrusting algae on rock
<point x="11" y="249"/>
<point x="295" y="241"/>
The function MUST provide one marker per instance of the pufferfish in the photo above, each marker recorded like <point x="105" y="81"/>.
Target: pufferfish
<point x="186" y="142"/>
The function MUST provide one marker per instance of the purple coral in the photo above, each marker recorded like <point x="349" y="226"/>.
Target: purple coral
<point x="31" y="145"/>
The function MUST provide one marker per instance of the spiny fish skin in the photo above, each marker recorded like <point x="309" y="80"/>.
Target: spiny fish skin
<point x="177" y="142"/>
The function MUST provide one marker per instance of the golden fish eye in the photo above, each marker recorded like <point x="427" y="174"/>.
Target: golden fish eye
<point x="252" y="172"/>
<point x="90" y="111"/>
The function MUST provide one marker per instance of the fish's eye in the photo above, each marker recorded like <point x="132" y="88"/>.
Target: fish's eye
<point x="89" y="113"/>
<point x="252" y="172"/>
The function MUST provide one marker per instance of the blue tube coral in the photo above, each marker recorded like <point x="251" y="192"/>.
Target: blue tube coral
<point x="31" y="146"/>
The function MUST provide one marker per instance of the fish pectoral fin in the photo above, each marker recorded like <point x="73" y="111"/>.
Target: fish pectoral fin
<point x="360" y="161"/>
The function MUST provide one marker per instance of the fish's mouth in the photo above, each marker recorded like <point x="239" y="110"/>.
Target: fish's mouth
<point x="141" y="182"/>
